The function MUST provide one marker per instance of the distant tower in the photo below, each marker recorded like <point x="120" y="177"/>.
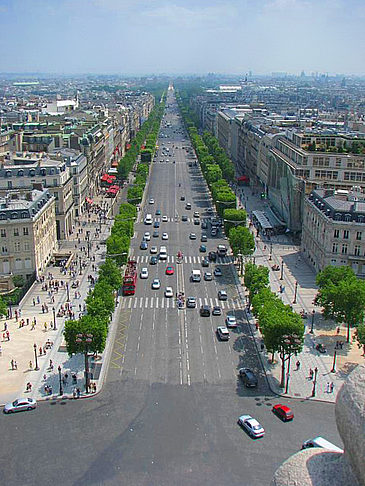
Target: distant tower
<point x="302" y="74"/>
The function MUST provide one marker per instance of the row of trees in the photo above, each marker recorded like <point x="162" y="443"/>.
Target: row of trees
<point x="282" y="329"/>
<point x="89" y="333"/>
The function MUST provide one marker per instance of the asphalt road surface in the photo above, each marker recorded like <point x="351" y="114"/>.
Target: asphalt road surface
<point x="168" y="412"/>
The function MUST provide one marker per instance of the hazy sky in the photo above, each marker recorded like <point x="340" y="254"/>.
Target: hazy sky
<point x="180" y="36"/>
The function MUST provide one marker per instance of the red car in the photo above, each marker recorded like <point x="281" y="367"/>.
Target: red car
<point x="170" y="270"/>
<point x="283" y="412"/>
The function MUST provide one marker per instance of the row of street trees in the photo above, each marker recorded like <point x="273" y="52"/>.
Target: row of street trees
<point x="88" y="334"/>
<point x="282" y="329"/>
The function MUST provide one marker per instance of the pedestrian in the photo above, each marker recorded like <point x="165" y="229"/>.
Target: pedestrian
<point x="298" y="364"/>
<point x="5" y="326"/>
<point x="341" y="344"/>
<point x="310" y="374"/>
<point x="12" y="364"/>
<point x="78" y="392"/>
<point x="74" y="393"/>
<point x="332" y="386"/>
<point x="7" y="335"/>
<point x="338" y="330"/>
<point x="33" y="326"/>
<point x="33" y="301"/>
<point x="45" y="327"/>
<point x="30" y="365"/>
<point x="50" y="364"/>
<point x="40" y="351"/>
<point x="328" y="387"/>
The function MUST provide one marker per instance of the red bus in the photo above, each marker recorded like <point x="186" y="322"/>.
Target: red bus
<point x="130" y="278"/>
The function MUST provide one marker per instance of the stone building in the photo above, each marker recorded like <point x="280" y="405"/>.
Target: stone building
<point x="27" y="232"/>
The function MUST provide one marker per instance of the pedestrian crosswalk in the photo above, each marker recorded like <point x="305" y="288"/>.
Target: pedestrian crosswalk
<point x="164" y="303"/>
<point x="187" y="259"/>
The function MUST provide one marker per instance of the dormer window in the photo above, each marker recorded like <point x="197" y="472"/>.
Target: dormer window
<point x="20" y="172"/>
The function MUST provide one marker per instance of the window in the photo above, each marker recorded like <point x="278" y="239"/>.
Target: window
<point x="335" y="248"/>
<point x="344" y="249"/>
<point x="28" y="263"/>
<point x="17" y="246"/>
<point x="26" y="246"/>
<point x="3" y="233"/>
<point x="10" y="185"/>
<point x="4" y="249"/>
<point x="357" y="250"/>
<point x="55" y="182"/>
<point x="336" y="233"/>
<point x="358" y="235"/>
<point x="25" y="231"/>
<point x="18" y="263"/>
<point x="345" y="234"/>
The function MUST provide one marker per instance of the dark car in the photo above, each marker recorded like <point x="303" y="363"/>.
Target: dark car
<point x="212" y="256"/>
<point x="204" y="225"/>
<point x="156" y="224"/>
<point x="184" y="217"/>
<point x="205" y="311"/>
<point x="202" y="248"/>
<point x="283" y="412"/>
<point x="203" y="238"/>
<point x="248" y="377"/>
<point x="158" y="212"/>
<point x="197" y="221"/>
<point x="153" y="260"/>
<point x="205" y="262"/>
<point x="143" y="245"/>
<point x="156" y="234"/>
<point x="182" y="198"/>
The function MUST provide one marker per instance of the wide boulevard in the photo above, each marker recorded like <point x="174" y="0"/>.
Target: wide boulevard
<point x="167" y="414"/>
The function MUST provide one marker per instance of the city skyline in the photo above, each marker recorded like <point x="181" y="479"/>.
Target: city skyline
<point x="124" y="37"/>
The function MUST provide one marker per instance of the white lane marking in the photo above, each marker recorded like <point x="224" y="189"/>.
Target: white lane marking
<point x="151" y="305"/>
<point x="130" y="303"/>
<point x="162" y="303"/>
<point x="157" y="300"/>
<point x="211" y="302"/>
<point x="123" y="303"/>
<point x="146" y="303"/>
<point x="135" y="303"/>
<point x="205" y="301"/>
<point x="140" y="302"/>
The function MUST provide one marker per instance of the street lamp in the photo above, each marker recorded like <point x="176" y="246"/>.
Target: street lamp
<point x="312" y="324"/>
<point x="295" y="293"/>
<point x="80" y="265"/>
<point x="290" y="344"/>
<point x="282" y="269"/>
<point x="35" y="357"/>
<point x="68" y="292"/>
<point x="333" y="370"/>
<point x="270" y="255"/>
<point x="54" y="319"/>
<point x="314" y="382"/>
<point x="60" y="380"/>
<point x="85" y="339"/>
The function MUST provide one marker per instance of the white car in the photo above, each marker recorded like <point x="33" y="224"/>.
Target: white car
<point x="231" y="321"/>
<point x="147" y="236"/>
<point x="165" y="236"/>
<point x="156" y="284"/>
<point x="164" y="219"/>
<point x="253" y="427"/>
<point x="153" y="250"/>
<point x="20" y="405"/>
<point x="152" y="201"/>
<point x="169" y="292"/>
<point x="223" y="333"/>
<point x="192" y="236"/>
<point x="144" y="273"/>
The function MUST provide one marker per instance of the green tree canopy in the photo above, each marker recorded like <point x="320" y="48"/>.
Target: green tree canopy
<point x="109" y="272"/>
<point x="86" y="325"/>
<point x="233" y="218"/>
<point x="242" y="241"/>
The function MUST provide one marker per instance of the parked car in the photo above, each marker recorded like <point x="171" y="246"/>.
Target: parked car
<point x="248" y="377"/>
<point x="283" y="412"/>
<point x="251" y="425"/>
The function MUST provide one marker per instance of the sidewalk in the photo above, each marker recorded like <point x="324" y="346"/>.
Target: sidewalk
<point x="296" y="270"/>
<point x="37" y="344"/>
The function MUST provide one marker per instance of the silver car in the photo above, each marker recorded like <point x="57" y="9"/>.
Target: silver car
<point x="20" y="405"/>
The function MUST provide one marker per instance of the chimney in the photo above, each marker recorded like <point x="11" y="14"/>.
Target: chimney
<point x="29" y="196"/>
<point x="355" y="205"/>
<point x="38" y="186"/>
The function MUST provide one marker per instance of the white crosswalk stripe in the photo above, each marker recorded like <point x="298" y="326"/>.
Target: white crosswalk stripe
<point x="162" y="303"/>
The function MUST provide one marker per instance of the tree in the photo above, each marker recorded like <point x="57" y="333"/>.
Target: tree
<point x="242" y="241"/>
<point x="118" y="248"/>
<point x="233" y="218"/>
<point x="3" y="308"/>
<point x="86" y="325"/>
<point x="360" y="336"/>
<point x="263" y="297"/>
<point x="96" y="308"/>
<point x="109" y="272"/>
<point x="342" y="296"/>
<point x="106" y="294"/>
<point x="256" y="278"/>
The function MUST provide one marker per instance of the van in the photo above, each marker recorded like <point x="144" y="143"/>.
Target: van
<point x="221" y="250"/>
<point x="163" y="253"/>
<point x="196" y="276"/>
<point x="148" y="219"/>
<point x="321" y="442"/>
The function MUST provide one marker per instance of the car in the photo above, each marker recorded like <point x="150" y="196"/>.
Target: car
<point x="182" y="198"/>
<point x="283" y="412"/>
<point x="20" y="405"/>
<point x="203" y="238"/>
<point x="164" y="219"/>
<point x="205" y="311"/>
<point x="217" y="311"/>
<point x="170" y="270"/>
<point x="208" y="276"/>
<point x="151" y="201"/>
<point x="251" y="425"/>
<point x="223" y="333"/>
<point x="231" y="322"/>
<point x="156" y="284"/>
<point x="192" y="236"/>
<point x="217" y="272"/>
<point x="143" y="245"/>
<point x="214" y="232"/>
<point x="210" y="211"/>
<point x="153" y="260"/>
<point x="204" y="225"/>
<point x="191" y="302"/>
<point x="248" y="377"/>
<point x="205" y="262"/>
<point x="212" y="256"/>
<point x="169" y="292"/>
<point x="153" y="250"/>
<point x="147" y="236"/>
<point x="196" y="214"/>
<point x="158" y="212"/>
<point x="196" y="221"/>
<point x="156" y="224"/>
<point x="187" y="206"/>
<point x="202" y="248"/>
<point x="222" y="295"/>
<point x="144" y="273"/>
<point x="155" y="234"/>
<point x="165" y="236"/>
